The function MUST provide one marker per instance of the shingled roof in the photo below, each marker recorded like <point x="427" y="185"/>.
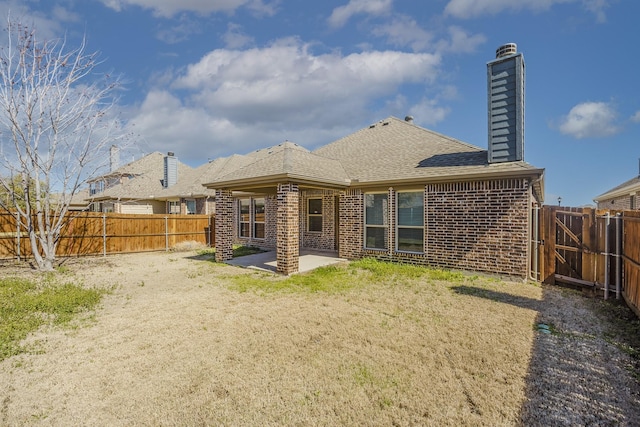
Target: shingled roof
<point x="623" y="189"/>
<point x="390" y="151"/>
<point x="142" y="179"/>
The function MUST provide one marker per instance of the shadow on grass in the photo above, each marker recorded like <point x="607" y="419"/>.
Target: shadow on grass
<point x="578" y="374"/>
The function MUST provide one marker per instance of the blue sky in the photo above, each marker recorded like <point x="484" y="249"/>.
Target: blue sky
<point x="209" y="78"/>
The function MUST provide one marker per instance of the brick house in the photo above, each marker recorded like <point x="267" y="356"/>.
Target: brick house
<point x="621" y="197"/>
<point x="392" y="190"/>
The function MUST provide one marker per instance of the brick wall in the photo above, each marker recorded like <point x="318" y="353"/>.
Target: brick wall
<point x="351" y="224"/>
<point x="224" y="225"/>
<point x="620" y="203"/>
<point x="477" y="226"/>
<point x="287" y="226"/>
<point x="480" y="226"/>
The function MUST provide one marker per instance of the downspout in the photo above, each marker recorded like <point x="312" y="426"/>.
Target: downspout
<point x="618" y="255"/>
<point x="606" y="256"/>
<point x="536" y="231"/>
<point x="536" y="241"/>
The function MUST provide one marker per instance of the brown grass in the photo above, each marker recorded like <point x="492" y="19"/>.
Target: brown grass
<point x="176" y="344"/>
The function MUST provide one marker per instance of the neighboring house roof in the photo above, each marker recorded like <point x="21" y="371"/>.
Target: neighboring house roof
<point x="79" y="200"/>
<point x="144" y="180"/>
<point x="388" y="152"/>
<point x="624" y="189"/>
<point x="189" y="185"/>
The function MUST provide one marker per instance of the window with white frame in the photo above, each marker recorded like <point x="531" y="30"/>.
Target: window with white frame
<point x="410" y="221"/>
<point x="314" y="215"/>
<point x="376" y="217"/>
<point x="258" y="218"/>
<point x="174" y="206"/>
<point x="244" y="229"/>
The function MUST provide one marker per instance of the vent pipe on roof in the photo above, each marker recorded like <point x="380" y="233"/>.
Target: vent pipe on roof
<point x="408" y="119"/>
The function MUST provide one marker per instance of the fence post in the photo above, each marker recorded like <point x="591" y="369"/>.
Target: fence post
<point x="166" y="233"/>
<point x="104" y="234"/>
<point x="18" y="240"/>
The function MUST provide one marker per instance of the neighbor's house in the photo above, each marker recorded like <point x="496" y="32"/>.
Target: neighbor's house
<point x="621" y="197"/>
<point x="393" y="191"/>
<point x="155" y="184"/>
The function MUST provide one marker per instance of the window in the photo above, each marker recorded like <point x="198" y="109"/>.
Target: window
<point x="96" y="187"/>
<point x="191" y="207"/>
<point x="245" y="212"/>
<point x="258" y="218"/>
<point x="252" y="218"/>
<point x="376" y="214"/>
<point x="174" y="207"/>
<point x="314" y="215"/>
<point x="410" y="221"/>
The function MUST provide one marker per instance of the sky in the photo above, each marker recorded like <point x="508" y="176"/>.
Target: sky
<point x="211" y="78"/>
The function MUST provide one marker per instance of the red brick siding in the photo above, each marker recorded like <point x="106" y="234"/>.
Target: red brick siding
<point x="620" y="203"/>
<point x="480" y="226"/>
<point x="351" y="224"/>
<point x="224" y="225"/>
<point x="287" y="226"/>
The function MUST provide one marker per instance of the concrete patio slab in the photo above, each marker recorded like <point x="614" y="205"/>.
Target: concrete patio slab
<point x="266" y="261"/>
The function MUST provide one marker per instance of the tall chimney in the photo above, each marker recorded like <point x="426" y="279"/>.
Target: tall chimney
<point x="114" y="158"/>
<point x="170" y="170"/>
<point x="505" y="86"/>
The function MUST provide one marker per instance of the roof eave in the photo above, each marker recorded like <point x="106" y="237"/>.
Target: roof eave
<point x="626" y="191"/>
<point x="275" y="179"/>
<point x="525" y="173"/>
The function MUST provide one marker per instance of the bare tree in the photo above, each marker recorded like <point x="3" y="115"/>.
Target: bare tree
<point x="56" y="127"/>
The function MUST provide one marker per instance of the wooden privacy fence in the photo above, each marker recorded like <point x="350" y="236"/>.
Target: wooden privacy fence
<point x="95" y="233"/>
<point x="588" y="247"/>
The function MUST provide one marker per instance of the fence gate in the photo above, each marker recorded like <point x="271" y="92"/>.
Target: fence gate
<point x="567" y="245"/>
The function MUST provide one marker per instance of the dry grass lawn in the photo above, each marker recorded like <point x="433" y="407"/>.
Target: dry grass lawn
<point x="182" y="341"/>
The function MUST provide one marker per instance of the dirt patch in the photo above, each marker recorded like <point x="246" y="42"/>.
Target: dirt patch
<point x="173" y="345"/>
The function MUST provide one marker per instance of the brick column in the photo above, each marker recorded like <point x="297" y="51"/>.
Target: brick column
<point x="288" y="238"/>
<point x="224" y="225"/>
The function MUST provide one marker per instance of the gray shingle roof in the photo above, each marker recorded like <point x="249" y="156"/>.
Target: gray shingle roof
<point x="394" y="149"/>
<point x="292" y="161"/>
<point x="623" y="189"/>
<point x="391" y="150"/>
<point x="146" y="175"/>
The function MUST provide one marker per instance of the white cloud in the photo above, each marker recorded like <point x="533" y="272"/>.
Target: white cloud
<point x="460" y="41"/>
<point x="404" y="31"/>
<point x="466" y="9"/>
<point x="590" y="120"/>
<point x="286" y="79"/>
<point x="235" y="38"/>
<point x="168" y="8"/>
<point x="234" y="101"/>
<point x="428" y="112"/>
<point x="183" y="28"/>
<point x="636" y="117"/>
<point x="342" y="14"/>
